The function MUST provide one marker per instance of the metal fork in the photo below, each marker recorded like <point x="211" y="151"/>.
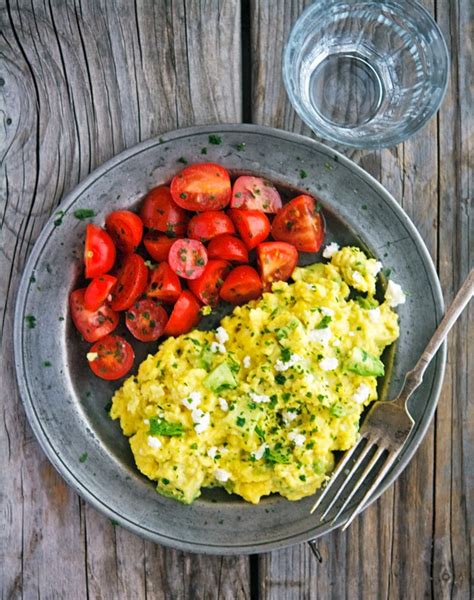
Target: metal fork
<point x="387" y="425"/>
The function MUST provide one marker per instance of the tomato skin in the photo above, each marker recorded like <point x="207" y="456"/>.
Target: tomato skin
<point x="99" y="252"/>
<point x="276" y="262"/>
<point x="185" y="314"/>
<point x="97" y="291"/>
<point x="228" y="247"/>
<point x="300" y="223"/>
<point x="164" y="284"/>
<point x="255" y="193"/>
<point x="188" y="258"/>
<point x="207" y="286"/>
<point x="126" y="230"/>
<point x="91" y="324"/>
<point x="252" y="225"/>
<point x="146" y="320"/>
<point x="161" y="213"/>
<point x="241" y="285"/>
<point x="200" y="187"/>
<point x="131" y="282"/>
<point x="115" y="357"/>
<point x="158" y="245"/>
<point x="209" y="224"/>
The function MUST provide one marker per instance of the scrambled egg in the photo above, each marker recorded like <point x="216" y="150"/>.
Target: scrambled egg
<point x="260" y="405"/>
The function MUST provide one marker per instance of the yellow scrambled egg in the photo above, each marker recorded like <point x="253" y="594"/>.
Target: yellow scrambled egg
<point x="260" y="405"/>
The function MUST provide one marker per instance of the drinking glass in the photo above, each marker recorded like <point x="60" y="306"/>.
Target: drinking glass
<point x="365" y="74"/>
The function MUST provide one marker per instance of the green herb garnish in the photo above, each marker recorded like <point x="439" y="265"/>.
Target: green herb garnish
<point x="83" y="457"/>
<point x="84" y="213"/>
<point x="324" y="322"/>
<point x="30" y="321"/>
<point x="215" y="139"/>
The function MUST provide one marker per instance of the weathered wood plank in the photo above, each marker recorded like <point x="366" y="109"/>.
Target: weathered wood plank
<point x="80" y="82"/>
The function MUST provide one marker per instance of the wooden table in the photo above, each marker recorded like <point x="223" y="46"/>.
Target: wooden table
<point x="79" y="82"/>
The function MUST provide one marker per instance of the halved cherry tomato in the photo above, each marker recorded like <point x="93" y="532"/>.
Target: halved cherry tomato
<point x="255" y="193"/>
<point x="114" y="358"/>
<point x="204" y="186"/>
<point x="185" y="314"/>
<point x="159" y="212"/>
<point x="188" y="258"/>
<point x="228" y="247"/>
<point x="209" y="224"/>
<point x="241" y="285"/>
<point x="300" y="223"/>
<point x="276" y="261"/>
<point x="146" y="320"/>
<point x="126" y="230"/>
<point x="131" y="282"/>
<point x="91" y="324"/>
<point x="158" y="245"/>
<point x="253" y="226"/>
<point x="164" y="284"/>
<point x="99" y="253"/>
<point x="207" y="287"/>
<point x="97" y="291"/>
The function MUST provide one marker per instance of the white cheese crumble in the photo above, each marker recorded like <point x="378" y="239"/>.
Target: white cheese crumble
<point x="320" y="336"/>
<point x="357" y="277"/>
<point x="297" y="438"/>
<point x="201" y="420"/>
<point x="373" y="268"/>
<point x="260" y="451"/>
<point x="221" y="335"/>
<point x="336" y="343"/>
<point x="289" y="416"/>
<point x="259" y="398"/>
<point x="223" y="404"/>
<point x="216" y="347"/>
<point x="394" y="294"/>
<point x="361" y="394"/>
<point x="222" y="475"/>
<point x="213" y="450"/>
<point x="192" y="401"/>
<point x="284" y="366"/>
<point x="246" y="362"/>
<point x="91" y="356"/>
<point x="146" y="421"/>
<point x="327" y="311"/>
<point x="374" y="314"/>
<point x="154" y="442"/>
<point x="329" y="364"/>
<point x="330" y="250"/>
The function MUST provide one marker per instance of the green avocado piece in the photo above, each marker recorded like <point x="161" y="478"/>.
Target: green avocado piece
<point x="363" y="363"/>
<point x="221" y="378"/>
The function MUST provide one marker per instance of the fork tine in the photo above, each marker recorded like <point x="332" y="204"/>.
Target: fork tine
<point x="386" y="466"/>
<point x="335" y="474"/>
<point x="352" y="472"/>
<point x="360" y="481"/>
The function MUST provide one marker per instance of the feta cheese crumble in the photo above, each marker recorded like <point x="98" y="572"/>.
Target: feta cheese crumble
<point x="361" y="394"/>
<point x="223" y="404"/>
<point x="373" y="268"/>
<point x="329" y="364"/>
<point x="330" y="250"/>
<point x="201" y="420"/>
<point x="374" y="314"/>
<point x="246" y="362"/>
<point x="154" y="442"/>
<point x="213" y="450"/>
<point x="297" y="438"/>
<point x="289" y="416"/>
<point x="259" y="398"/>
<point x="394" y="294"/>
<point x="222" y="475"/>
<point x="216" y="347"/>
<point x="260" y="451"/>
<point x="192" y="401"/>
<point x="327" y="311"/>
<point x="221" y="335"/>
<point x="284" y="366"/>
<point x="320" y="336"/>
<point x="91" y="356"/>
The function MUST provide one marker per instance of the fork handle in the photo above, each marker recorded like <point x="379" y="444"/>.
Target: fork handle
<point x="414" y="377"/>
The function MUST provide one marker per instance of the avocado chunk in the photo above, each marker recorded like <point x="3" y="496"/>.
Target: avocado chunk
<point x="221" y="378"/>
<point x="363" y="363"/>
<point x="366" y="303"/>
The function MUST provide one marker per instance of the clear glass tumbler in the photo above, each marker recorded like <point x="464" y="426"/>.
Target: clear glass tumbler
<point x="365" y="74"/>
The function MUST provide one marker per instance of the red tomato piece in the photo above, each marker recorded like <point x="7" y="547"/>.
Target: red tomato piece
<point x="255" y="193"/>
<point x="188" y="258"/>
<point x="158" y="245"/>
<point x="185" y="314"/>
<point x="146" y="320"/>
<point x="164" y="284"/>
<point x="91" y="324"/>
<point x="242" y="284"/>
<point x="97" y="291"/>
<point x="276" y="261"/>
<point x="99" y="253"/>
<point x="228" y="247"/>
<point x="300" y="223"/>
<point x="200" y="187"/>
<point x="114" y="358"/>
<point x="159" y="212"/>
<point x="126" y="230"/>
<point x="131" y="282"/>
<point x="207" y="287"/>
<point x="252" y="225"/>
<point x="209" y="224"/>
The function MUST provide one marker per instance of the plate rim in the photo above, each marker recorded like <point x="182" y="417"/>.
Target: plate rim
<point x="69" y="476"/>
